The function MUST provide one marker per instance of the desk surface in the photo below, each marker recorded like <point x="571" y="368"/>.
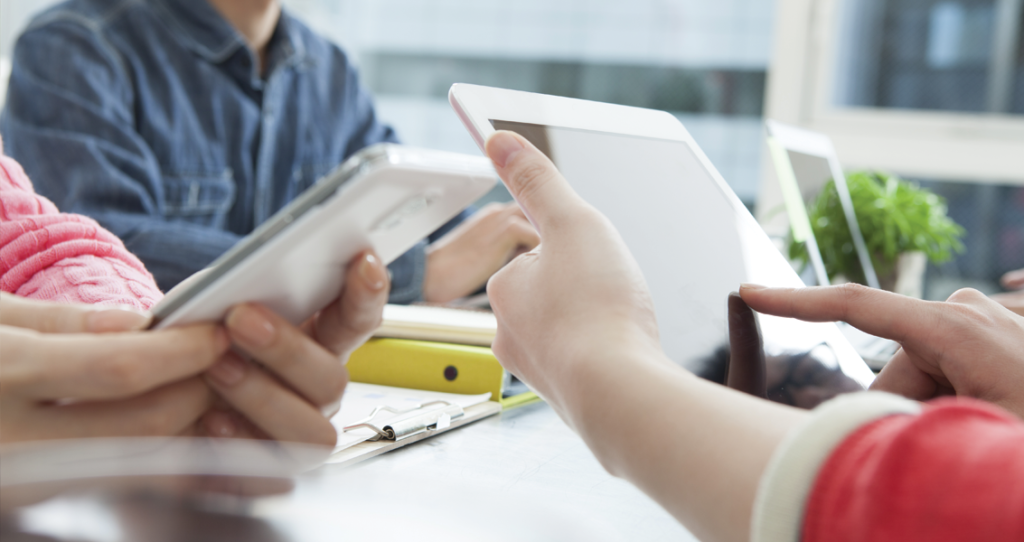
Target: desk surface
<point x="522" y="468"/>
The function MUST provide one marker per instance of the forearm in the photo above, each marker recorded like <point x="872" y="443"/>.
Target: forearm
<point x="697" y="448"/>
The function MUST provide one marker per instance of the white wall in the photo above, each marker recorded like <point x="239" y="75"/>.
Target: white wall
<point x="14" y="15"/>
<point x="694" y="33"/>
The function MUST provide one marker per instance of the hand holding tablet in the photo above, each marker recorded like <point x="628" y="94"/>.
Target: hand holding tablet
<point x="692" y="238"/>
<point x="730" y="466"/>
<point x="587" y="296"/>
<point x="284" y="381"/>
<point x="385" y="197"/>
<point x="319" y="262"/>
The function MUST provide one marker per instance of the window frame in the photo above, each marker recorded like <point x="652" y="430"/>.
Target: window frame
<point x="973" y="147"/>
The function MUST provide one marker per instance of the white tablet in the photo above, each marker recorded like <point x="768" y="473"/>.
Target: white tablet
<point x="693" y="238"/>
<point x="385" y="197"/>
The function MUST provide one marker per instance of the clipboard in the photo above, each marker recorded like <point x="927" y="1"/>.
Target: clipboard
<point x="440" y="355"/>
<point x="427" y="421"/>
<point x="374" y="419"/>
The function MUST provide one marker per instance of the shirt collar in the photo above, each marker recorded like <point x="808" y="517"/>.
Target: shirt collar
<point x="202" y="28"/>
<point x="287" y="46"/>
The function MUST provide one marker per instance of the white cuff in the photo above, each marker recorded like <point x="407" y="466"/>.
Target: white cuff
<point x="791" y="472"/>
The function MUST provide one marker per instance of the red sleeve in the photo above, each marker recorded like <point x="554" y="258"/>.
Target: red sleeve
<point x="54" y="256"/>
<point x="954" y="472"/>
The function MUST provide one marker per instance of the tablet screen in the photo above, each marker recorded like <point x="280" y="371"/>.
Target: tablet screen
<point x="695" y="245"/>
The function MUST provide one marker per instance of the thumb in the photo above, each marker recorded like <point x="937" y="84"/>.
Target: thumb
<point x="47" y="317"/>
<point x="543" y="194"/>
<point x="746" y="370"/>
<point x="902" y="377"/>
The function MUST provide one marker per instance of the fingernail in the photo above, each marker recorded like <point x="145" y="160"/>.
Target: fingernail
<point x="230" y="370"/>
<point x="115" y="319"/>
<point x="251" y="325"/>
<point x="502" y="147"/>
<point x="751" y="287"/>
<point x="372" y="272"/>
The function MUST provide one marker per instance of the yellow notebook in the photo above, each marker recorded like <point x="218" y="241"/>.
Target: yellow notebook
<point x="433" y="366"/>
<point x="423" y="365"/>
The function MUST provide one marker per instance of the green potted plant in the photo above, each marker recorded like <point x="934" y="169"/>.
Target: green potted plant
<point x="902" y="224"/>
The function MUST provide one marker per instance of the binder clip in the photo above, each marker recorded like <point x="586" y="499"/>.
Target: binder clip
<point x="432" y="416"/>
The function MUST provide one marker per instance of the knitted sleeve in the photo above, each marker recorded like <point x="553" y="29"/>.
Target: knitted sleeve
<point x="62" y="257"/>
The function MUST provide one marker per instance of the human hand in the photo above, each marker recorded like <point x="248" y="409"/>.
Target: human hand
<point x="60" y="379"/>
<point x="579" y="294"/>
<point x="969" y="345"/>
<point x="300" y="375"/>
<point x="576" y="322"/>
<point x="1014" y="280"/>
<point x="461" y="262"/>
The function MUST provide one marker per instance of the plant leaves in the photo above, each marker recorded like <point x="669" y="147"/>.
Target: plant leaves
<point x="895" y="216"/>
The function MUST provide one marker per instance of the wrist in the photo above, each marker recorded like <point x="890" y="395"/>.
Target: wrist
<point x="595" y="376"/>
<point x="615" y="399"/>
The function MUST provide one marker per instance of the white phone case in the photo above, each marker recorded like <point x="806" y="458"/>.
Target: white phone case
<point x="386" y="197"/>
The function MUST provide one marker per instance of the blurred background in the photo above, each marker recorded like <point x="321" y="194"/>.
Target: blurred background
<point x="932" y="90"/>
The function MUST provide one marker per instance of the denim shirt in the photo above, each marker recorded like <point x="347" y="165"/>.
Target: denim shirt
<point x="151" y="116"/>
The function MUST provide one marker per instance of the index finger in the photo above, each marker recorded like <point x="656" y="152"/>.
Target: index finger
<point x="880" y="313"/>
<point x="541" y="191"/>
<point x="292" y="355"/>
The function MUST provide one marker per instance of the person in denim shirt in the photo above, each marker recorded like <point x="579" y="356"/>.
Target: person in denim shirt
<point x="181" y="125"/>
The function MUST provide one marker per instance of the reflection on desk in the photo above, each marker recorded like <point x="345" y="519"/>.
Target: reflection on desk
<point x="522" y="475"/>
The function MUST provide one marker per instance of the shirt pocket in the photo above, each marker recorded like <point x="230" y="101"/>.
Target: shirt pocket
<point x="197" y="198"/>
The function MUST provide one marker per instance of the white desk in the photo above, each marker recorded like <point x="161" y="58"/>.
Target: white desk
<point x="522" y="474"/>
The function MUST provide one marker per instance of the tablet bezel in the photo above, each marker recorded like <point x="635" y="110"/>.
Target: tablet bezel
<point x="477" y="105"/>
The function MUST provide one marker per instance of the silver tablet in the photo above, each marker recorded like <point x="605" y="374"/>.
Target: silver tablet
<point x="385" y="197"/>
<point x="693" y="238"/>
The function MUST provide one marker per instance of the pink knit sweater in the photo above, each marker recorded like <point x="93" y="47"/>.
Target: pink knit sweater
<point x="62" y="257"/>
